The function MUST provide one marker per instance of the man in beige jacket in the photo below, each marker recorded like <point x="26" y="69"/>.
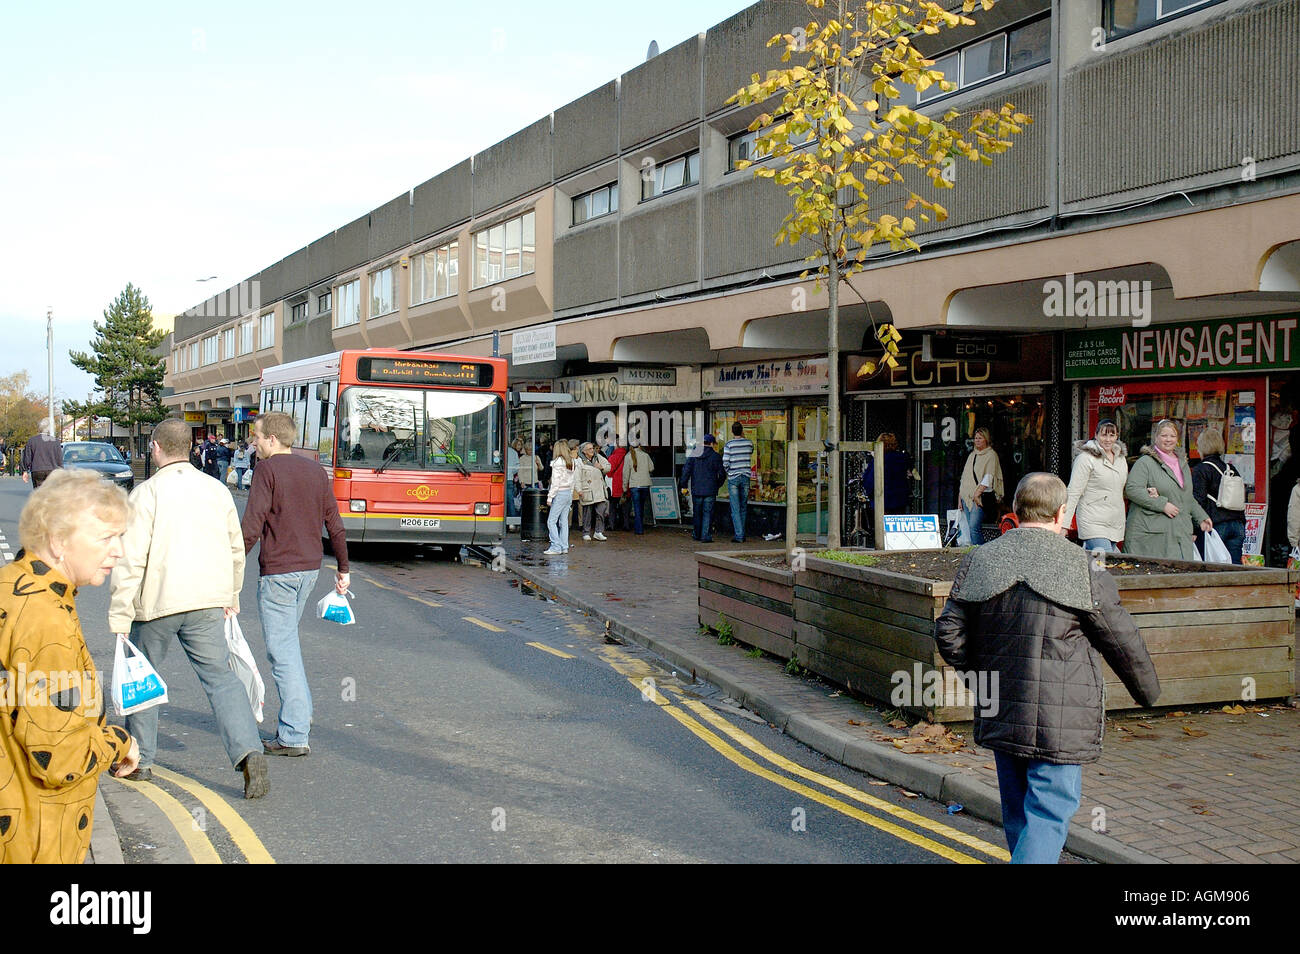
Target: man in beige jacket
<point x="179" y="578"/>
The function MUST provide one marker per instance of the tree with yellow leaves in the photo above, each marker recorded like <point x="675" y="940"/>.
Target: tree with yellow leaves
<point x="835" y="134"/>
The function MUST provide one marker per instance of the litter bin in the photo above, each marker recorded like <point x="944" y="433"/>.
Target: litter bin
<point x="531" y="524"/>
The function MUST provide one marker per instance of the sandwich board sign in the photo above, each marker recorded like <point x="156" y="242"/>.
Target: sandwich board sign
<point x="912" y="532"/>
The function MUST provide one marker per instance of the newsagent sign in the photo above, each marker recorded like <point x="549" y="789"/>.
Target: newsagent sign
<point x="1197" y="347"/>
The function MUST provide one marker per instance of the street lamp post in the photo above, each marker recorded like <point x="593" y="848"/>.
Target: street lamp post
<point x="49" y="346"/>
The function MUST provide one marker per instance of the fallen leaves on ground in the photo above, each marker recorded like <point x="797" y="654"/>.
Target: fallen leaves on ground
<point x="1201" y="810"/>
<point x="909" y="794"/>
<point x="1195" y="733"/>
<point x="1176" y="715"/>
<point x="854" y="722"/>
<point x="898" y="724"/>
<point x="874" y="782"/>
<point x="926" y="738"/>
<point x="1234" y="710"/>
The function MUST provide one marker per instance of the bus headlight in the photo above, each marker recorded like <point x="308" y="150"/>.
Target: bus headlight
<point x="482" y="509"/>
<point x="357" y="506"/>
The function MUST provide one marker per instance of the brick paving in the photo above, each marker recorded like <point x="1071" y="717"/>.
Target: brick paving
<point x="1230" y="796"/>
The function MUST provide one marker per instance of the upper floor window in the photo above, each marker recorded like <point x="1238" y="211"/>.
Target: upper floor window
<point x="178" y="360"/>
<point x="227" y="344"/>
<point x="194" y="356"/>
<point x="267" y="329"/>
<point x="1128" y="16"/>
<point x="382" y="297"/>
<point x="505" y="251"/>
<point x="1010" y="51"/>
<point x="298" y="312"/>
<point x="744" y="146"/>
<point x="348" y="311"/>
<point x="594" y="204"/>
<point x="670" y="176"/>
<point x="246" y="337"/>
<point x="434" y="274"/>
<point x="210" y="349"/>
<point x="323" y="302"/>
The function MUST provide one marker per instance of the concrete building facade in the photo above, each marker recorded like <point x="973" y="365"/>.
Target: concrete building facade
<point x="1162" y="170"/>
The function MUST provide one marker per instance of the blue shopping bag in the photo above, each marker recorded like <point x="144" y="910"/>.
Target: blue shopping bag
<point x="335" y="608"/>
<point x="136" y="684"/>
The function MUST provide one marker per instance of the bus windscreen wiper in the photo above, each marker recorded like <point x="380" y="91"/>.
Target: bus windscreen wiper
<point x="388" y="459"/>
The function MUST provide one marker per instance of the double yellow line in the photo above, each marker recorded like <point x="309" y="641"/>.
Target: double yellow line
<point x="641" y="675"/>
<point x="191" y="833"/>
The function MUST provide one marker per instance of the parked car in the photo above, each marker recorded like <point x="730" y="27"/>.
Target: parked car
<point x="105" y="458"/>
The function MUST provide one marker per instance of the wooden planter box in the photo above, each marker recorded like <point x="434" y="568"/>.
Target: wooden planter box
<point x="757" y="600"/>
<point x="1210" y="632"/>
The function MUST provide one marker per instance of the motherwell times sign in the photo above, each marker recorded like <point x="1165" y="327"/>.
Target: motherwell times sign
<point x="1219" y="346"/>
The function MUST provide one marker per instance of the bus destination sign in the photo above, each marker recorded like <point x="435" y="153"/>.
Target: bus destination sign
<point x="419" y="371"/>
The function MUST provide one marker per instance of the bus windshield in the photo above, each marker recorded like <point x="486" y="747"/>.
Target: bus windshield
<point x="411" y="429"/>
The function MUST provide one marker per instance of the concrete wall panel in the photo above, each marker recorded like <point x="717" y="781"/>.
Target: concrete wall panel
<point x="752" y="210"/>
<point x="660" y="246"/>
<point x="442" y="201"/>
<point x="390" y="226"/>
<point x="1188" y="105"/>
<point x="321" y="263"/>
<point x="737" y="48"/>
<point x="307" y="339"/>
<point x="661" y="94"/>
<point x="586" y="130"/>
<point x="586" y="266"/>
<point x="513" y="167"/>
<point x="352" y="243"/>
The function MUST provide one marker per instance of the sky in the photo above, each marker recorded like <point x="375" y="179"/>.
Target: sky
<point x="161" y="143"/>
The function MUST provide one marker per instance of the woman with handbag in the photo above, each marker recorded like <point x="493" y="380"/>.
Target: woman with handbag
<point x="592" y="468"/>
<point x="981" y="484"/>
<point x="1163" y="514"/>
<point x="1222" y="497"/>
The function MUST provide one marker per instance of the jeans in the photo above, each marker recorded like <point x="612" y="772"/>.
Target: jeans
<point x="975" y="521"/>
<point x="1038" y="801"/>
<point x="738" y="492"/>
<point x="639" y="496"/>
<point x="702" y="511"/>
<point x="281" y="599"/>
<point x="1100" y="543"/>
<point x="557" y="523"/>
<point x="594" y="515"/>
<point x="203" y="637"/>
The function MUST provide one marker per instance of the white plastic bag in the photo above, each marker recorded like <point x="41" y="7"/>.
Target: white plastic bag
<point x="1216" y="551"/>
<point x="248" y="479"/>
<point x="243" y="665"/>
<point x="232" y="476"/>
<point x="335" y="608"/>
<point x="136" y="684"/>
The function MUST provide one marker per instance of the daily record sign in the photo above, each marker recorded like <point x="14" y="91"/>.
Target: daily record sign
<point x="919" y="532"/>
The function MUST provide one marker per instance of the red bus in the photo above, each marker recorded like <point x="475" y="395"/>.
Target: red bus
<point x="414" y="441"/>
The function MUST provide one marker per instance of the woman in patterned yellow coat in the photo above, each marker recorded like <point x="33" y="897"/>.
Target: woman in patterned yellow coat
<point x="54" y="741"/>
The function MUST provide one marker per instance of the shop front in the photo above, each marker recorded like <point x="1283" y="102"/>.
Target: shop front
<point x="934" y="407"/>
<point x="773" y="400"/>
<point x="658" y="408"/>
<point x="1239" y="376"/>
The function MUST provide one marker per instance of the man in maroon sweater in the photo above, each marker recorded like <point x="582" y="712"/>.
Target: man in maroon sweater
<point x="288" y="503"/>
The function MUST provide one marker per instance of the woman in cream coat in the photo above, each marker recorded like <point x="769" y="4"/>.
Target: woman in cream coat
<point x="1096" y="492"/>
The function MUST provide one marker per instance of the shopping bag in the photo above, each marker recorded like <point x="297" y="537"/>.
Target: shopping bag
<point x="1215" y="550"/>
<point x="248" y="479"/>
<point x="136" y="684"/>
<point x="232" y="477"/>
<point x="335" y="608"/>
<point x="957" y="518"/>
<point x="243" y="665"/>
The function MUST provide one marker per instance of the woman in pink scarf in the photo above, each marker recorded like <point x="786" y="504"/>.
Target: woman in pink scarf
<point x="1162" y="514"/>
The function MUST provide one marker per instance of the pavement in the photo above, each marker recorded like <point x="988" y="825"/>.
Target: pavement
<point x="1173" y="786"/>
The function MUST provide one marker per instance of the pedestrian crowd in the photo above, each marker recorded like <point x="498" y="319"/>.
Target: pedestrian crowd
<point x="175" y="553"/>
